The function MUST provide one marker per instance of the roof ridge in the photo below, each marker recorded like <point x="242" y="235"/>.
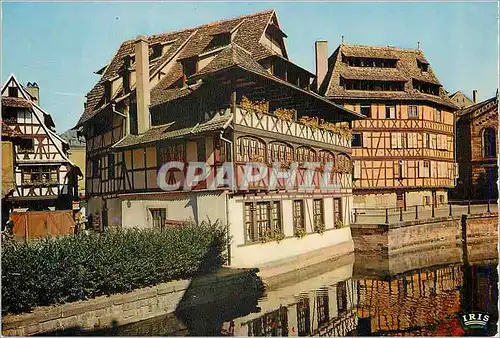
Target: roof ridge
<point x="210" y="24"/>
<point x="394" y="48"/>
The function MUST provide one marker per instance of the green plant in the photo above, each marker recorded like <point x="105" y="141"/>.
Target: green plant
<point x="339" y="224"/>
<point x="70" y="268"/>
<point x="256" y="106"/>
<point x="300" y="232"/>
<point x="319" y="227"/>
<point x="312" y="122"/>
<point x="272" y="235"/>
<point x="285" y="114"/>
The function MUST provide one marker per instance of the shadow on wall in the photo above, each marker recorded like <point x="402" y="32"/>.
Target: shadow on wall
<point x="214" y="296"/>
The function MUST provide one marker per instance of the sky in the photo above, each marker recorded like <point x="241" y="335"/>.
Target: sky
<point x="61" y="45"/>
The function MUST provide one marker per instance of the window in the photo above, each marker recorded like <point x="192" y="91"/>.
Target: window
<point x="305" y="154"/>
<point x="366" y="110"/>
<point x="111" y="166"/>
<point x="280" y="152"/>
<point x="189" y="67"/>
<point x="322" y="307"/>
<point x="489" y="142"/>
<point x="219" y="40"/>
<point x="26" y="145"/>
<point x="422" y="65"/>
<point x="426" y="169"/>
<point x="441" y="199"/>
<point x="325" y="156"/>
<point x="427" y="200"/>
<point x="341" y="297"/>
<point x="95" y="167"/>
<point x="337" y="210"/>
<point x="273" y="324"/>
<point x="159" y="218"/>
<point x="171" y="152"/>
<point x="13" y="92"/>
<point x="357" y="140"/>
<point x="34" y="175"/>
<point x="427" y="140"/>
<point x="413" y="112"/>
<point x="437" y="115"/>
<point x="107" y="91"/>
<point x="303" y="317"/>
<point x="400" y="170"/>
<point x="157" y="50"/>
<point x="249" y="149"/>
<point x="298" y="214"/>
<point x="262" y="219"/>
<point x="318" y="212"/>
<point x="390" y="112"/>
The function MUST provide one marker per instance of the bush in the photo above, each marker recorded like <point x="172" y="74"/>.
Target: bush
<point x="65" y="269"/>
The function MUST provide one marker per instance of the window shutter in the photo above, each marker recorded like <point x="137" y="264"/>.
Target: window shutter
<point x="357" y="169"/>
<point x="366" y="141"/>
<point x="415" y="140"/>
<point x="394" y="140"/>
<point x="405" y="169"/>
<point x="421" y="169"/>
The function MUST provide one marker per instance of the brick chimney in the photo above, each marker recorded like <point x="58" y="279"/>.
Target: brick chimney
<point x="33" y="90"/>
<point x="142" y="84"/>
<point x="321" y="48"/>
<point x="474" y="95"/>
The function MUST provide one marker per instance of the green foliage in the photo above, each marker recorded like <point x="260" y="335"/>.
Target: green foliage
<point x="319" y="227"/>
<point x="300" y="232"/>
<point x="339" y="224"/>
<point x="272" y="235"/>
<point x="70" y="268"/>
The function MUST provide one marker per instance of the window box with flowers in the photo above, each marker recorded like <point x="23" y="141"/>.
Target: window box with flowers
<point x="272" y="235"/>
<point x="319" y="227"/>
<point x="300" y="232"/>
<point x="285" y="114"/>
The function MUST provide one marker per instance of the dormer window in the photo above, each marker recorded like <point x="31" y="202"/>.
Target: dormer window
<point x="157" y="51"/>
<point x="189" y="67"/>
<point x="218" y="41"/>
<point x="353" y="61"/>
<point x="107" y="91"/>
<point x="13" y="92"/>
<point x="423" y="65"/>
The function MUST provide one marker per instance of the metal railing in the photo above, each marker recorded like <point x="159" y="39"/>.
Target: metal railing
<point x="423" y="211"/>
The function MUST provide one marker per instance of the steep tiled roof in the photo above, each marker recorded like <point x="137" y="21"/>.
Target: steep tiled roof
<point x="190" y="42"/>
<point x="16" y="102"/>
<point x="407" y="69"/>
<point x="484" y="105"/>
<point x="71" y="137"/>
<point x="169" y="131"/>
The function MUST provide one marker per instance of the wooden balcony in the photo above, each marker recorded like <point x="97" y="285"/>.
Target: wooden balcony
<point x="271" y="123"/>
<point x="398" y="124"/>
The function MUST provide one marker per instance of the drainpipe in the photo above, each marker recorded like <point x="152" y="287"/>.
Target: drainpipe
<point x="227" y="201"/>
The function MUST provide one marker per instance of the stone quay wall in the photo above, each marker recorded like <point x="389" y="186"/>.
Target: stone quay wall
<point x="396" y="238"/>
<point x="120" y="309"/>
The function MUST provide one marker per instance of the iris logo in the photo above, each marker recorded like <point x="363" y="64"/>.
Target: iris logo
<point x="474" y="320"/>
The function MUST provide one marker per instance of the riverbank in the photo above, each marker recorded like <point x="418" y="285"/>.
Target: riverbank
<point x="121" y="309"/>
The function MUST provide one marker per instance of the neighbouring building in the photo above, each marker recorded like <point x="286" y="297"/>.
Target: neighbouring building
<point x="403" y="151"/>
<point x="477" y="151"/>
<point x="42" y="177"/>
<point x="76" y="152"/>
<point x="10" y="138"/>
<point x="221" y="92"/>
<point x="461" y="100"/>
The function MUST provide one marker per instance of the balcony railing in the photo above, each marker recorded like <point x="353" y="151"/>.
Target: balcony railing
<point x="274" y="124"/>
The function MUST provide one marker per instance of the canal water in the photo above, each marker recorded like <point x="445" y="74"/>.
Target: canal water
<point x="364" y="296"/>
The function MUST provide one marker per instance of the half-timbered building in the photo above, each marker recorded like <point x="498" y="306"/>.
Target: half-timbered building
<point x="225" y="92"/>
<point x="477" y="141"/>
<point x="42" y="173"/>
<point x="403" y="151"/>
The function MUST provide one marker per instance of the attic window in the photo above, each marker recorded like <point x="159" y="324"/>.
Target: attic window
<point x="219" y="40"/>
<point x="369" y="62"/>
<point x="157" y="51"/>
<point x="423" y="66"/>
<point x="107" y="91"/>
<point x="13" y="92"/>
<point x="426" y="87"/>
<point x="189" y="67"/>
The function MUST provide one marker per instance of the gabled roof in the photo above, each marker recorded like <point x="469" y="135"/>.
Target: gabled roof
<point x="71" y="137"/>
<point x="407" y="70"/>
<point x="480" y="107"/>
<point x="247" y="32"/>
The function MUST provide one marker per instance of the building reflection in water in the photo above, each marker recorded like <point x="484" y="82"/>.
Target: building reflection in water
<point x="423" y="301"/>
